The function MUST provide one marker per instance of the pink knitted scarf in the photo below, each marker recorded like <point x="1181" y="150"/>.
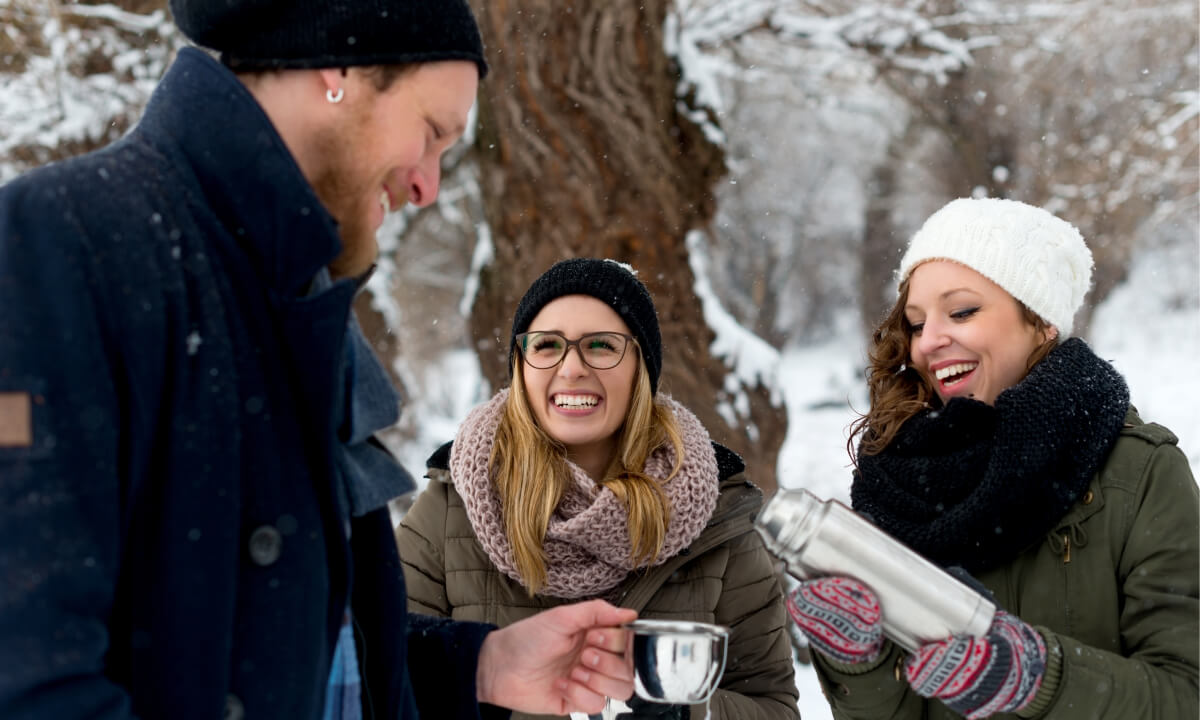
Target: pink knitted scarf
<point x="587" y="543"/>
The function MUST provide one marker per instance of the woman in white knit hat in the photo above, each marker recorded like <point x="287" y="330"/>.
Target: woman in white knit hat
<point x="999" y="447"/>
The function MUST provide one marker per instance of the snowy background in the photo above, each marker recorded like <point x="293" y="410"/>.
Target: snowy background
<point x="801" y="149"/>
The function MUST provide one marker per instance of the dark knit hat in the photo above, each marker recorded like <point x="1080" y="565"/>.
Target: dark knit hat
<point x="608" y="281"/>
<point x="278" y="34"/>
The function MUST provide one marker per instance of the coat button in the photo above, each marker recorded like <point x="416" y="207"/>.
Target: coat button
<point x="234" y="710"/>
<point x="265" y="545"/>
<point x="1088" y="497"/>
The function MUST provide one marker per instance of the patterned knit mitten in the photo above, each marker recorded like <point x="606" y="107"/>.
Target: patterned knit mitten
<point x="979" y="677"/>
<point x="840" y="618"/>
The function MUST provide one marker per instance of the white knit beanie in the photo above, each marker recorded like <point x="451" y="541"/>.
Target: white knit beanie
<point x="1036" y="257"/>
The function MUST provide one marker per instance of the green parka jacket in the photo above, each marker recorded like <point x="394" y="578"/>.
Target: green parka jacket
<point x="725" y="577"/>
<point x="1113" y="589"/>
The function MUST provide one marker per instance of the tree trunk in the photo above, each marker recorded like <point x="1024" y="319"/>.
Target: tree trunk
<point x="584" y="152"/>
<point x="962" y="114"/>
<point x="881" y="245"/>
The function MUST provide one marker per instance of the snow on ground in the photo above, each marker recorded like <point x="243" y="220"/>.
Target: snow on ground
<point x="1149" y="329"/>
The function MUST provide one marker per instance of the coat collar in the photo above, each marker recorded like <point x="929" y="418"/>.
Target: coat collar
<point x="253" y="187"/>
<point x="247" y="175"/>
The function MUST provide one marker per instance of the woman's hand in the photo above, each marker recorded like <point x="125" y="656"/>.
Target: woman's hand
<point x="840" y="617"/>
<point x="568" y="658"/>
<point x="979" y="677"/>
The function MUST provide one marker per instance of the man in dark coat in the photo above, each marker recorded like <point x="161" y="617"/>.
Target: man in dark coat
<point x="193" y="514"/>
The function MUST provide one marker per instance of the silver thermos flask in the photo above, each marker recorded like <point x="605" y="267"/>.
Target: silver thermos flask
<point x="919" y="601"/>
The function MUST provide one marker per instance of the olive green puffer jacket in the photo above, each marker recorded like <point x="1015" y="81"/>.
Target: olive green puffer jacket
<point x="725" y="577"/>
<point x="1113" y="589"/>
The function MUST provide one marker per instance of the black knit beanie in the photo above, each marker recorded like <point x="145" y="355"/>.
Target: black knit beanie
<point x="278" y="34"/>
<point x="608" y="281"/>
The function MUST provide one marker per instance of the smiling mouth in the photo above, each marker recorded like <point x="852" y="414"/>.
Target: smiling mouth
<point x="953" y="375"/>
<point x="575" y="402"/>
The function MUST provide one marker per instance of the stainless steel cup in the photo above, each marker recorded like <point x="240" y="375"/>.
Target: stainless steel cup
<point x="677" y="662"/>
<point x="919" y="601"/>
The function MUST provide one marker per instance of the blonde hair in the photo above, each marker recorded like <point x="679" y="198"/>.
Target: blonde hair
<point x="530" y="471"/>
<point x="896" y="391"/>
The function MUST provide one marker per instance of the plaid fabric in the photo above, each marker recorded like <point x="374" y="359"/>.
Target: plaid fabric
<point x="368" y="478"/>
<point x="343" y="697"/>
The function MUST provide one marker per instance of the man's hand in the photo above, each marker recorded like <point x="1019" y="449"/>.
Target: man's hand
<point x="568" y="658"/>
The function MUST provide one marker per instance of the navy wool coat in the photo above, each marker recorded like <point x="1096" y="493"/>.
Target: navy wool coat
<point x="174" y="537"/>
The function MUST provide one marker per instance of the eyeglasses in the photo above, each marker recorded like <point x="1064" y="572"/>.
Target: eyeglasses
<point x="601" y="351"/>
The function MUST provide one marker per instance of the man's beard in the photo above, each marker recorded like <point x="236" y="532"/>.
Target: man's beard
<point x="344" y="196"/>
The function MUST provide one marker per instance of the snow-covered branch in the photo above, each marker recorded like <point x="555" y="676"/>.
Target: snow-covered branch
<point x="751" y="359"/>
<point x="117" y="17"/>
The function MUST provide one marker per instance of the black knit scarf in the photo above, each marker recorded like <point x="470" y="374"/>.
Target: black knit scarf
<point x="973" y="485"/>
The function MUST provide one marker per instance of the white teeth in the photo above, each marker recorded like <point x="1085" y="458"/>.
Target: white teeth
<point x="576" y="401"/>
<point x="955" y="369"/>
<point x="385" y="202"/>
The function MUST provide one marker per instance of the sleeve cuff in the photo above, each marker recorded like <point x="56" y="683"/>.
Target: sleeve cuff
<point x="1051" y="679"/>
<point x="888" y="650"/>
<point x="442" y="661"/>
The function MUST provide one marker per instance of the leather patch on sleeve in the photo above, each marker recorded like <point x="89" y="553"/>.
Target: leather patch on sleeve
<point x="16" y="420"/>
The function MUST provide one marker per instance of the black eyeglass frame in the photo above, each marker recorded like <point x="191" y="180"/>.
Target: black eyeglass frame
<point x="576" y="343"/>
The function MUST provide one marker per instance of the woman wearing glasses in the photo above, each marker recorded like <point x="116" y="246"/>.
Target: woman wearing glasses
<point x="582" y="481"/>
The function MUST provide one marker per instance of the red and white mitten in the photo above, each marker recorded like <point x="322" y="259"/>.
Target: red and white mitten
<point x="979" y="677"/>
<point x="840" y="617"/>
